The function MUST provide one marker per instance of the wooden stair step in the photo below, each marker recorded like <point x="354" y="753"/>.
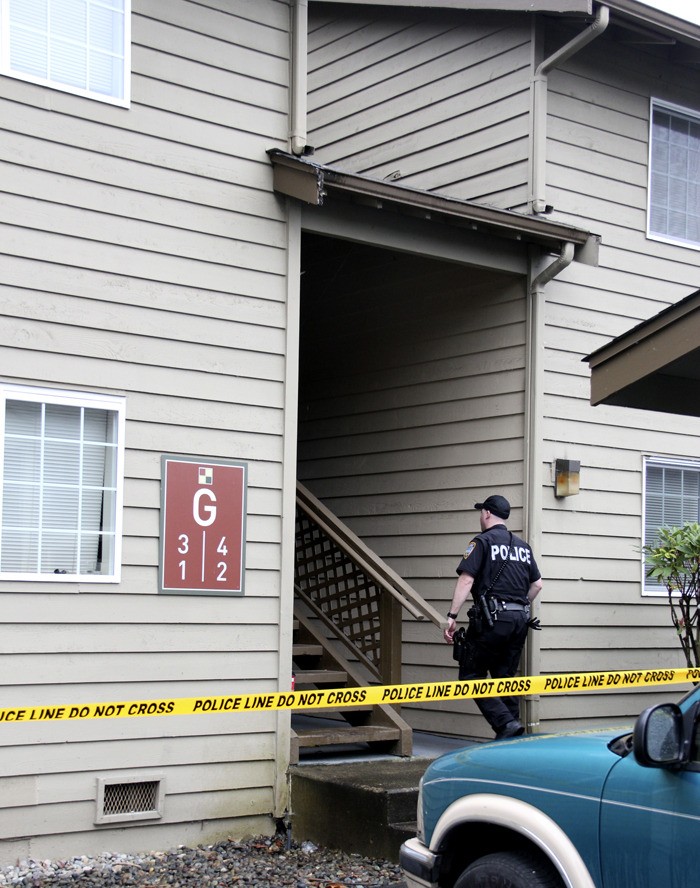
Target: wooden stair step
<point x="320" y="676"/>
<point x="339" y="710"/>
<point x="328" y="736"/>
<point x="306" y="649"/>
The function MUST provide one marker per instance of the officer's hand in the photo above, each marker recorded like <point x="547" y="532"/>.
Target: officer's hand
<point x="448" y="634"/>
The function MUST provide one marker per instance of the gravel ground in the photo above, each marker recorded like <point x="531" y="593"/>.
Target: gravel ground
<point x="261" y="862"/>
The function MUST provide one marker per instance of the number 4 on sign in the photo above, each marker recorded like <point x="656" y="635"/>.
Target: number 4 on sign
<point x="221" y="548"/>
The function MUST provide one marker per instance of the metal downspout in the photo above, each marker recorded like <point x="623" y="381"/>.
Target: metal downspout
<point x="297" y="144"/>
<point x="299" y="48"/>
<point x="533" y="446"/>
<point x="538" y="203"/>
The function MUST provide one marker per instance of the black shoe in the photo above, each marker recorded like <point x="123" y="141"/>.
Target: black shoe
<point x="512" y="729"/>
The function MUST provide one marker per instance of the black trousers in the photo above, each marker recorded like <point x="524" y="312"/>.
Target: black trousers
<point x="496" y="652"/>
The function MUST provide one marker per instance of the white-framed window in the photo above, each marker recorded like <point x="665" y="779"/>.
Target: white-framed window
<point x="674" y="175"/>
<point x="671" y="497"/>
<point x="78" y="46"/>
<point x="61" y="485"/>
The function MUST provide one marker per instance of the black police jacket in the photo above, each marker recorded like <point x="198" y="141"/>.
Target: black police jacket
<point x="500" y="558"/>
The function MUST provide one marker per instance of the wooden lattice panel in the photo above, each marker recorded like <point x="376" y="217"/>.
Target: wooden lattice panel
<point x="338" y="587"/>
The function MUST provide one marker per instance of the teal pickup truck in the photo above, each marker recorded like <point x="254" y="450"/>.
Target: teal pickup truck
<point x="596" y="809"/>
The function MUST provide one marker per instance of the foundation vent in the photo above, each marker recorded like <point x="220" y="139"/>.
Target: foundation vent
<point x="131" y="797"/>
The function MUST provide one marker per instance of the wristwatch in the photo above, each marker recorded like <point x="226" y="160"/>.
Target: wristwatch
<point x="451" y="616"/>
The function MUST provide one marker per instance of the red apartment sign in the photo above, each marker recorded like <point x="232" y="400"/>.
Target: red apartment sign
<point x="202" y="540"/>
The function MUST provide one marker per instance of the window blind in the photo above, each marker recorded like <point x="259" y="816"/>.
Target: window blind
<point x="674" y="192"/>
<point x="672" y="498"/>
<point x="80" y="44"/>
<point x="59" y="489"/>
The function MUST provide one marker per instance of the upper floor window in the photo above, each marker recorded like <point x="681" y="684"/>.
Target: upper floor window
<point x="671" y="497"/>
<point x="79" y="46"/>
<point x="61" y="485"/>
<point x="674" y="174"/>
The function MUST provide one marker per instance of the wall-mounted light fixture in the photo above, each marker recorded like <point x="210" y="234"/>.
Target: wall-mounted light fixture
<point x="567" y="477"/>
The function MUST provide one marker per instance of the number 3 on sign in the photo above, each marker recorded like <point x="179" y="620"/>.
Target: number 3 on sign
<point x="183" y="549"/>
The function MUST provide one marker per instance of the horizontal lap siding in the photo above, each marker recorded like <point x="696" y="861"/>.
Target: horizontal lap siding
<point x="594" y="614"/>
<point x="434" y="100"/>
<point x="411" y="408"/>
<point x="144" y="253"/>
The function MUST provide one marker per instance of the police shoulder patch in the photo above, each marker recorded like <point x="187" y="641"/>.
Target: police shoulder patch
<point x="470" y="549"/>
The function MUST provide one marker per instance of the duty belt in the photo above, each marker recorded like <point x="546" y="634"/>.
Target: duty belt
<point x="510" y="605"/>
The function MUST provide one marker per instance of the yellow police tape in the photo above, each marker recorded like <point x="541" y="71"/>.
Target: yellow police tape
<point x="337" y="698"/>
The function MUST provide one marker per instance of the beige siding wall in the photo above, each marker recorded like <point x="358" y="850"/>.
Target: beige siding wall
<point x="144" y="253"/>
<point x="434" y="100"/>
<point x="400" y="92"/>
<point x="412" y="400"/>
<point x="595" y="614"/>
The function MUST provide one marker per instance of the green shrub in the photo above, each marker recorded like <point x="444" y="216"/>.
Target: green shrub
<point x="675" y="562"/>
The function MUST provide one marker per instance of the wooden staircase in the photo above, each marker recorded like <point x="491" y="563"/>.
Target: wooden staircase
<point x="317" y="665"/>
<point x="347" y="633"/>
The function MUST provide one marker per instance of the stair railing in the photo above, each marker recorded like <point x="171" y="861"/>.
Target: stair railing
<point x="356" y="595"/>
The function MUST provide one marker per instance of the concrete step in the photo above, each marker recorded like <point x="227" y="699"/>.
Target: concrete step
<point x="373" y="804"/>
<point x="399" y="832"/>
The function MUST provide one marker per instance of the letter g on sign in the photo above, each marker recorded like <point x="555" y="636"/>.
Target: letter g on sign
<point x="204" y="514"/>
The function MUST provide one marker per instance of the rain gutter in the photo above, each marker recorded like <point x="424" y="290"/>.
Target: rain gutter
<point x="299" y="51"/>
<point x="314" y="183"/>
<point x="536" y="324"/>
<point x="534" y="445"/>
<point x="538" y="202"/>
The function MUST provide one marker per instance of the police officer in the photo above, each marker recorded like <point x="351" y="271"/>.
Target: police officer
<point x="501" y="567"/>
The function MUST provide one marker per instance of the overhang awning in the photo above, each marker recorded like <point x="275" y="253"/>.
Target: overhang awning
<point x="313" y="183"/>
<point x="654" y="366"/>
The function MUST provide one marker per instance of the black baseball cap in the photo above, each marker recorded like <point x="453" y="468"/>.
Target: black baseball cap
<point x="495" y="503"/>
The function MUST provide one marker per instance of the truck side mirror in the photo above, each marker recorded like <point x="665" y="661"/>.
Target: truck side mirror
<point x="659" y="737"/>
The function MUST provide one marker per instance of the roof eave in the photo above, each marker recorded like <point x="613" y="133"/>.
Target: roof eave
<point x="636" y="13"/>
<point x="656" y="19"/>
<point x="577" y="7"/>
